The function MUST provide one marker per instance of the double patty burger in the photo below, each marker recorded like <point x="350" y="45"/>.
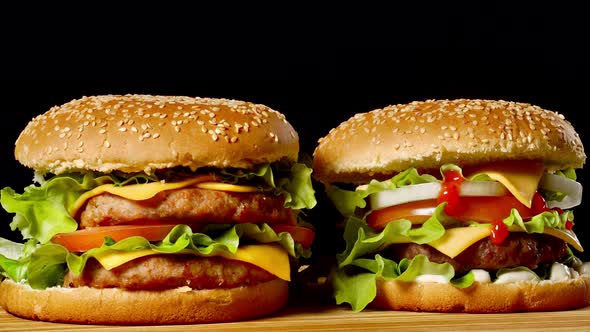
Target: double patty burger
<point x="155" y="210"/>
<point x="456" y="206"/>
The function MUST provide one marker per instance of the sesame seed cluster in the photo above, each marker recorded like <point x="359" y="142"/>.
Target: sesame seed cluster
<point x="145" y="132"/>
<point x="427" y="134"/>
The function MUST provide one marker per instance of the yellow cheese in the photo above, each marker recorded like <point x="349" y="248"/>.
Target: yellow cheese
<point x="455" y="240"/>
<point x="110" y="259"/>
<point x="521" y="178"/>
<point x="270" y="257"/>
<point x="568" y="236"/>
<point x="138" y="192"/>
<point x="226" y="187"/>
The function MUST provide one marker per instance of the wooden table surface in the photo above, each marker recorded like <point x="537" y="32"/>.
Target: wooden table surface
<point x="340" y="318"/>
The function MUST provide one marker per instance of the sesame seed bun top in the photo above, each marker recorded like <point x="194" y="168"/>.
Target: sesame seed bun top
<point x="428" y="134"/>
<point x="133" y="133"/>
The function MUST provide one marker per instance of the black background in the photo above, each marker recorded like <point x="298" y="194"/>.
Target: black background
<point x="317" y="66"/>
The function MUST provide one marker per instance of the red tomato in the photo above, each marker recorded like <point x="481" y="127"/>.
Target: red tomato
<point x="88" y="238"/>
<point x="481" y="209"/>
<point x="416" y="212"/>
<point x="302" y="235"/>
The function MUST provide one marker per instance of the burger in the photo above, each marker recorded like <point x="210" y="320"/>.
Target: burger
<point x="156" y="210"/>
<point x="456" y="206"/>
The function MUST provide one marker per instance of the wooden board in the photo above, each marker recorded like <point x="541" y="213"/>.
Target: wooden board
<point x="340" y="318"/>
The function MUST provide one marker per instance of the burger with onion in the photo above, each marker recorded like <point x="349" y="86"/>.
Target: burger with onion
<point x="156" y="210"/>
<point x="456" y="206"/>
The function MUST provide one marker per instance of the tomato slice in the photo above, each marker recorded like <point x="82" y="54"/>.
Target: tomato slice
<point x="480" y="209"/>
<point x="88" y="238"/>
<point x="302" y="235"/>
<point x="417" y="212"/>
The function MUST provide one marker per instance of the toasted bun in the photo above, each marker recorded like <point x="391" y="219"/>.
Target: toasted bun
<point x="135" y="133"/>
<point x="428" y="134"/>
<point x="117" y="306"/>
<point x="484" y="298"/>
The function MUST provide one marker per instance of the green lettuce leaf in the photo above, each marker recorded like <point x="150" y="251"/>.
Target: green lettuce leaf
<point x="11" y="264"/>
<point x="298" y="188"/>
<point x="537" y="224"/>
<point x="360" y="288"/>
<point x="45" y="265"/>
<point x="361" y="239"/>
<point x="294" y="182"/>
<point x="347" y="202"/>
<point x="42" y="210"/>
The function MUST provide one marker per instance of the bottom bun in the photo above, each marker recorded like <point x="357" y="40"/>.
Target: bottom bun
<point x="484" y="297"/>
<point x="117" y="306"/>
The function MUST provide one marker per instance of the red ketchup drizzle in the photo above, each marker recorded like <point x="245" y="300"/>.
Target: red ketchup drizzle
<point x="449" y="192"/>
<point x="499" y="232"/>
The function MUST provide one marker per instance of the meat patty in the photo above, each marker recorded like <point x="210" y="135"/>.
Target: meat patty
<point x="518" y="249"/>
<point x="187" y="205"/>
<point x="170" y="271"/>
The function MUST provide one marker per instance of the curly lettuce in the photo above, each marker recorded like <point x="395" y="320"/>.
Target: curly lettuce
<point x="41" y="212"/>
<point x="44" y="265"/>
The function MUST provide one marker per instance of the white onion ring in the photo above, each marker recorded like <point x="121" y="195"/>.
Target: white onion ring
<point x="431" y="190"/>
<point x="572" y="189"/>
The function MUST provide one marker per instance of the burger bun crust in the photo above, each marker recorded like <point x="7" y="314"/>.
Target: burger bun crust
<point x="117" y="306"/>
<point x="484" y="297"/>
<point x="428" y="134"/>
<point x="135" y="133"/>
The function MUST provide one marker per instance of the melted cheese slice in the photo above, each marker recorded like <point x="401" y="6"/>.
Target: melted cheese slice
<point x="568" y="236"/>
<point x="456" y="240"/>
<point x="226" y="187"/>
<point x="521" y="178"/>
<point x="270" y="257"/>
<point x="139" y="192"/>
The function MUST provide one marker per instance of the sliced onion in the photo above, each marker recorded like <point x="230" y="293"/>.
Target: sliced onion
<point x="572" y="189"/>
<point x="431" y="190"/>
<point x="482" y="188"/>
<point x="406" y="194"/>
